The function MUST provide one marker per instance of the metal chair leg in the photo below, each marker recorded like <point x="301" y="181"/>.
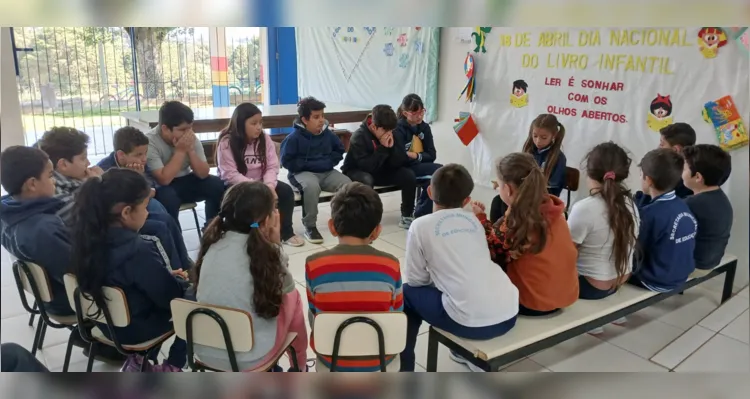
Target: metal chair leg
<point x="197" y="223"/>
<point x="68" y="351"/>
<point x="31" y="319"/>
<point x="44" y="334"/>
<point x="35" y="345"/>
<point x="92" y="355"/>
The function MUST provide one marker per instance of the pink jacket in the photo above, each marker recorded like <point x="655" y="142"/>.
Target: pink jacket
<point x="228" y="168"/>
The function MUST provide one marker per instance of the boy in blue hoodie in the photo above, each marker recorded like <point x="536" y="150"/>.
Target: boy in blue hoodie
<point x="668" y="228"/>
<point x="310" y="154"/>
<point x="30" y="228"/>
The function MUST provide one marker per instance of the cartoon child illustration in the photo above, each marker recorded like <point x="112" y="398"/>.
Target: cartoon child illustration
<point x="661" y="113"/>
<point x="710" y="40"/>
<point x="518" y="96"/>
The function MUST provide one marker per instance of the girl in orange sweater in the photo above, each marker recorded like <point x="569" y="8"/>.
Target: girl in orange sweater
<point x="532" y="241"/>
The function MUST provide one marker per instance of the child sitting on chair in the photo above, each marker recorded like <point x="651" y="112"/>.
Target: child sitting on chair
<point x="241" y="265"/>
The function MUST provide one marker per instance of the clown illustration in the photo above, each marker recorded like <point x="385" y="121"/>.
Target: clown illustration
<point x="661" y="113"/>
<point x="518" y="96"/>
<point x="710" y="40"/>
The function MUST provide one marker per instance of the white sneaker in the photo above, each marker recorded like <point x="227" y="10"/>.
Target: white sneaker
<point x="405" y="222"/>
<point x="459" y="359"/>
<point x="596" y="331"/>
<point x="621" y="321"/>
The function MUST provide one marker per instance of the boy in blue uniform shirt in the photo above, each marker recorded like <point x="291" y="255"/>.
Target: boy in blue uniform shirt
<point x="668" y="228"/>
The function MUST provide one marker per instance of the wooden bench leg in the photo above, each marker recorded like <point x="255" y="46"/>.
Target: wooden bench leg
<point x="729" y="282"/>
<point x="432" y="350"/>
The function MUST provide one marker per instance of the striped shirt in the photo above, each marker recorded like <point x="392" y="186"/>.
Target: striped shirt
<point x="352" y="278"/>
<point x="66" y="189"/>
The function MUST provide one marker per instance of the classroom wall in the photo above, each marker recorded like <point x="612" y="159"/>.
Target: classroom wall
<point x="450" y="150"/>
<point x="11" y="131"/>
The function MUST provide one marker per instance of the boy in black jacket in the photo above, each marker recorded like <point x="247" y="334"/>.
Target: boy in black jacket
<point x="377" y="157"/>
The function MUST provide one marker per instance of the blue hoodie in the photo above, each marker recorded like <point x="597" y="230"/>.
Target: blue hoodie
<point x="302" y="151"/>
<point x="31" y="231"/>
<point x="667" y="238"/>
<point x="111" y="162"/>
<point x="557" y="177"/>
<point x="136" y="266"/>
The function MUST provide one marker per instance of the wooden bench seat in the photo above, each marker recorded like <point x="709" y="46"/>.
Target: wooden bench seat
<point x="531" y="335"/>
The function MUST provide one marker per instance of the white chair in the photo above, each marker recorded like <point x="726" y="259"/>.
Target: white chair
<point x="221" y="328"/>
<point x="112" y="311"/>
<point x="381" y="334"/>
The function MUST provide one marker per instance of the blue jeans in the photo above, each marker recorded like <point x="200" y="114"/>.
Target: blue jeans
<point x="17" y="359"/>
<point x="157" y="212"/>
<point x="191" y="188"/>
<point x="422" y="171"/>
<point x="588" y="291"/>
<point x="426" y="304"/>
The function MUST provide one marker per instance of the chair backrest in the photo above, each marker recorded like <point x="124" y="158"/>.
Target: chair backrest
<point x="117" y="303"/>
<point x="572" y="178"/>
<point x="41" y="280"/>
<point x="206" y="328"/>
<point x="359" y="339"/>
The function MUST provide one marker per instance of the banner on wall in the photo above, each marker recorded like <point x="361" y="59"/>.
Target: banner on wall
<point x="366" y="66"/>
<point x="603" y="84"/>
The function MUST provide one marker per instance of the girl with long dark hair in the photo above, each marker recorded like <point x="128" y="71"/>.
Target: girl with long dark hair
<point x="245" y="153"/>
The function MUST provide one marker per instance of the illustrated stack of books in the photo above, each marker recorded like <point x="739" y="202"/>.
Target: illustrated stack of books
<point x="726" y="120"/>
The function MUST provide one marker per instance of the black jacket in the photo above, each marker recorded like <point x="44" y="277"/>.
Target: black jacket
<point x="406" y="134"/>
<point x="368" y="155"/>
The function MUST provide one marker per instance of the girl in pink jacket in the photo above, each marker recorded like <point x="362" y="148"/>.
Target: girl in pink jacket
<point x="245" y="153"/>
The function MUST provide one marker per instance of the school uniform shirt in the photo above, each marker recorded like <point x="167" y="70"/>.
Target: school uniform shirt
<point x="713" y="211"/>
<point x="556" y="180"/>
<point x="547" y="280"/>
<point x="667" y="238"/>
<point x="228" y="167"/>
<point x="368" y="155"/>
<point x="448" y="249"/>
<point x="160" y="153"/>
<point x="589" y="228"/>
<point x="32" y="231"/>
<point x="303" y="151"/>
<point x="110" y="162"/>
<point x="407" y="132"/>
<point x="225" y="280"/>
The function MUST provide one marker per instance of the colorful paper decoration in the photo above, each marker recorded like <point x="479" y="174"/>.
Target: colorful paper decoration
<point x="730" y="129"/>
<point x="469" y="70"/>
<point x="466" y="128"/>
<point x="710" y="40"/>
<point x="744" y="42"/>
<point x="479" y="38"/>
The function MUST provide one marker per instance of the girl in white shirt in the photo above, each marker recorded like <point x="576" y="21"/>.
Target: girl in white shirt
<point x="605" y="225"/>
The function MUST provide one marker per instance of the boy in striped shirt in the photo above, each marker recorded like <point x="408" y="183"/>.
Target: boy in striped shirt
<point x="354" y="276"/>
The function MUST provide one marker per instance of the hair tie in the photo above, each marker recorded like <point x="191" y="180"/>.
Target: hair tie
<point x="609" y="175"/>
<point x="254" y="225"/>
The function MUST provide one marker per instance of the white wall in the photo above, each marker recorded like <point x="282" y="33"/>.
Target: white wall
<point x="11" y="131"/>
<point x="451" y="150"/>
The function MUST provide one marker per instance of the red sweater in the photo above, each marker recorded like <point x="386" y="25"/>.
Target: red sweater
<point x="547" y="280"/>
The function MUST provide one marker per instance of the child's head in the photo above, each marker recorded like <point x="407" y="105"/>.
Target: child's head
<point x="175" y="120"/>
<point x="451" y="187"/>
<point x="250" y="208"/>
<point x="412" y="109"/>
<point x="245" y="127"/>
<point x="67" y="149"/>
<point x="131" y="146"/>
<point x="661" y="170"/>
<point x="705" y="166"/>
<point x="356" y="211"/>
<point x="523" y="187"/>
<point x="383" y="120"/>
<point x="118" y="198"/>
<point x="607" y="166"/>
<point x="26" y="173"/>
<point x="677" y="136"/>
<point x="310" y="111"/>
<point x="546" y="132"/>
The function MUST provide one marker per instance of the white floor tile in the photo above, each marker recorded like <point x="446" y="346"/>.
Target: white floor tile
<point x="525" y="366"/>
<point x="397" y="238"/>
<point x="55" y="356"/>
<point x="719" y="354"/>
<point x="682" y="347"/>
<point x="11" y="302"/>
<point x="187" y="221"/>
<point x="16" y="329"/>
<point x="739" y="329"/>
<point x="745" y="292"/>
<point x="192" y="242"/>
<point x="725" y="314"/>
<point x="98" y="367"/>
<point x="587" y="353"/>
<point x="641" y="336"/>
<point x="683" y="311"/>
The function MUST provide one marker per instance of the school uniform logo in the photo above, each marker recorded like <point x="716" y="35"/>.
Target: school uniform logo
<point x="690" y="227"/>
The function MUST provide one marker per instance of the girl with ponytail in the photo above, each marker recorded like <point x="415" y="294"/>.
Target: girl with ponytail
<point x="605" y="225"/>
<point x="241" y="265"/>
<point x="108" y="251"/>
<point x="544" y="143"/>
<point x="532" y="241"/>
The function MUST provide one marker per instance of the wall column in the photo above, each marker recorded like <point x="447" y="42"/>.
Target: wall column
<point x="11" y="129"/>
<point x="219" y="78"/>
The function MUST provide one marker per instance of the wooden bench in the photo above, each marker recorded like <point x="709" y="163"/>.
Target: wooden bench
<point x="531" y="335"/>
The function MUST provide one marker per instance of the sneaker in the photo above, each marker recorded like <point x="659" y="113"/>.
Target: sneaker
<point x="596" y="331"/>
<point x="405" y="222"/>
<point x="459" y="359"/>
<point x="313" y="235"/>
<point x="133" y="364"/>
<point x="294" y="241"/>
<point x="621" y="321"/>
<point x="165" y="368"/>
<point x="310" y="363"/>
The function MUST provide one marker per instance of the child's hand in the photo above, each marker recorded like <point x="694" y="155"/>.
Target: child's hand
<point x="412" y="155"/>
<point x="94" y="171"/>
<point x="477" y="207"/>
<point x="179" y="273"/>
<point x="136" y="167"/>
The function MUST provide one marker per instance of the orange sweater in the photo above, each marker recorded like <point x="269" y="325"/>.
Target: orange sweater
<point x="547" y="280"/>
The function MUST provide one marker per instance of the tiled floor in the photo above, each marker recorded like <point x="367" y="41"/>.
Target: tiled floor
<point x="687" y="332"/>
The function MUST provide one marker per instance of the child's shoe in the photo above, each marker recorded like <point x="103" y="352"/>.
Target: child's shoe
<point x="165" y="368"/>
<point x="133" y="364"/>
<point x="459" y="359"/>
<point x="405" y="222"/>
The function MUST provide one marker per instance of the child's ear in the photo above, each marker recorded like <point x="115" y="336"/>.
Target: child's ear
<point x="466" y="202"/>
<point x="332" y="228"/>
<point x="429" y="192"/>
<point x="698" y="177"/>
<point x="376" y="233"/>
<point x="126" y="211"/>
<point x="61" y="164"/>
